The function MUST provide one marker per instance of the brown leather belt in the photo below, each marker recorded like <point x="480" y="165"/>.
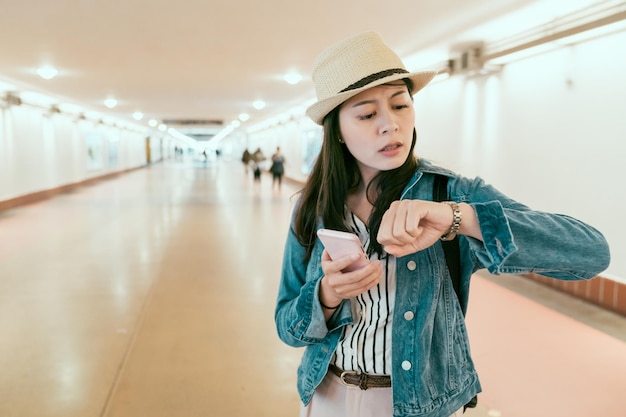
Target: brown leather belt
<point x="361" y="380"/>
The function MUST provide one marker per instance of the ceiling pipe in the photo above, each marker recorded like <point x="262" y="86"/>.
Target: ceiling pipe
<point x="575" y="23"/>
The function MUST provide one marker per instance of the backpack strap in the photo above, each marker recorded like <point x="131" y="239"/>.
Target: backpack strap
<point x="452" y="253"/>
<point x="451" y="248"/>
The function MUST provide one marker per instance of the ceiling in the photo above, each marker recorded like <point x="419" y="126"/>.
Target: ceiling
<point x="208" y="59"/>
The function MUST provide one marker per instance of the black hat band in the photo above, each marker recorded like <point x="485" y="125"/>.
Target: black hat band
<point x="371" y="78"/>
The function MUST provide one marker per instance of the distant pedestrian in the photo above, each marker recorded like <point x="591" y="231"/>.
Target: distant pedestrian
<point x="245" y="160"/>
<point x="256" y="160"/>
<point x="258" y="156"/>
<point x="278" y="168"/>
<point x="256" y="170"/>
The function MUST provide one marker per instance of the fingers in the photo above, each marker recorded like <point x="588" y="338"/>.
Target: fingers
<point x="343" y="264"/>
<point x="344" y="284"/>
<point x="401" y="223"/>
<point x="409" y="226"/>
<point x="401" y="250"/>
<point x="406" y="222"/>
<point x="351" y="286"/>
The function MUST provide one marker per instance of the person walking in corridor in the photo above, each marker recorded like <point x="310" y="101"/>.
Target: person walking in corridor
<point x="256" y="161"/>
<point x="389" y="339"/>
<point x="246" y="157"/>
<point x="277" y="168"/>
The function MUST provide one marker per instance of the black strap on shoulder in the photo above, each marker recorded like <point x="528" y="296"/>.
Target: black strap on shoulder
<point x="450" y="247"/>
<point x="452" y="253"/>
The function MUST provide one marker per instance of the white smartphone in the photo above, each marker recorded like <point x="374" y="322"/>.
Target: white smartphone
<point x="340" y="244"/>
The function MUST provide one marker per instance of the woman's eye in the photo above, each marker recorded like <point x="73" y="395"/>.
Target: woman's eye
<point x="367" y="116"/>
<point x="401" y="106"/>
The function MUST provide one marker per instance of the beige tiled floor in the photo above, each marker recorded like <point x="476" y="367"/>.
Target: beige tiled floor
<point x="148" y="295"/>
<point x="152" y="295"/>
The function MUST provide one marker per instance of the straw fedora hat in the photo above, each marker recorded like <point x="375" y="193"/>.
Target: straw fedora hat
<point x="354" y="65"/>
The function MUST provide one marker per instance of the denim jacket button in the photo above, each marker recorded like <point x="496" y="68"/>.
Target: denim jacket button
<point x="411" y="265"/>
<point x="406" y="365"/>
<point x="408" y="316"/>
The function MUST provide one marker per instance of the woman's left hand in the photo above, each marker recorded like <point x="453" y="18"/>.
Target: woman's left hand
<point x="409" y="226"/>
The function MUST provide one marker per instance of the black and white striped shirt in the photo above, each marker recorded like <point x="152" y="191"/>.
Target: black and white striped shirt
<point x="365" y="346"/>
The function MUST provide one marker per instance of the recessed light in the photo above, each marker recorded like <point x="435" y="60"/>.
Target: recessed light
<point x="47" y="72"/>
<point x="259" y="104"/>
<point x="110" y="102"/>
<point x="293" y="78"/>
<point x="244" y="116"/>
<point x="137" y="115"/>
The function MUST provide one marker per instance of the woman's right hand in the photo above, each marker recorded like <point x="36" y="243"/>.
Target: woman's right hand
<point x="337" y="285"/>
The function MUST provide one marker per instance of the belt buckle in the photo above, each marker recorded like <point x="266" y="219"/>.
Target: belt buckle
<point x="362" y="379"/>
<point x="344" y="374"/>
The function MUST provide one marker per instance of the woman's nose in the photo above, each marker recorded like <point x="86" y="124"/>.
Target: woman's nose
<point x="388" y="122"/>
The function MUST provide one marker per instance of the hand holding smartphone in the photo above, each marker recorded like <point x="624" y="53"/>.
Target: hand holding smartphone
<point x="340" y="244"/>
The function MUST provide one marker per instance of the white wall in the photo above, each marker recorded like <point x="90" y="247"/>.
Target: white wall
<point x="549" y="131"/>
<point x="40" y="150"/>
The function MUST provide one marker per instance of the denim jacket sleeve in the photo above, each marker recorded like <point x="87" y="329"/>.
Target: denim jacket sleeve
<point x="299" y="317"/>
<point x="519" y="240"/>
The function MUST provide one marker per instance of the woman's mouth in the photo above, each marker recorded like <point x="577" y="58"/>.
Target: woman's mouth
<point x="391" y="147"/>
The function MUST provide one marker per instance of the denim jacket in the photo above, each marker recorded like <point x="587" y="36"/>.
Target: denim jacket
<point x="432" y="371"/>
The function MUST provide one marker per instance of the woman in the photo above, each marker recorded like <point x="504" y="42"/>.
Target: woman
<point x="389" y="338"/>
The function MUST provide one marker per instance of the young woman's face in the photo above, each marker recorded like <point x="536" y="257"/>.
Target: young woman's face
<point x="377" y="127"/>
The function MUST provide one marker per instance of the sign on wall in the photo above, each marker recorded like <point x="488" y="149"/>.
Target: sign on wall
<point x="95" y="156"/>
<point x="113" y="152"/>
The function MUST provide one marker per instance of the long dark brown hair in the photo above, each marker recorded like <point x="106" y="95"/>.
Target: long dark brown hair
<point x="334" y="176"/>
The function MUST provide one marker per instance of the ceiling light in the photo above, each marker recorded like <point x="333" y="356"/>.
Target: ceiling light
<point x="244" y="116"/>
<point x="47" y="72"/>
<point x="293" y="78"/>
<point x="110" y="102"/>
<point x="137" y="115"/>
<point x="235" y="123"/>
<point x="259" y="104"/>
<point x="153" y="123"/>
<point x="162" y="127"/>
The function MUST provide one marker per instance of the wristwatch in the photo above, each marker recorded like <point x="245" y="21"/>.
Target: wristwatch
<point x="456" y="221"/>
